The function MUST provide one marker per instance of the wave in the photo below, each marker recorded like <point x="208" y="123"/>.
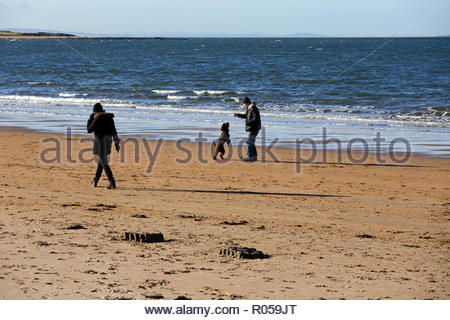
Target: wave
<point x="169" y="97"/>
<point x="211" y="92"/>
<point x="165" y="92"/>
<point x="319" y="116"/>
<point x="215" y="92"/>
<point x="62" y="100"/>
<point x="432" y="116"/>
<point x="35" y="83"/>
<point x="70" y="95"/>
<point x="67" y="95"/>
<point x="400" y="120"/>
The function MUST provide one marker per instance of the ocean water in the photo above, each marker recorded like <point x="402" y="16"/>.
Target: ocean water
<point x="355" y="88"/>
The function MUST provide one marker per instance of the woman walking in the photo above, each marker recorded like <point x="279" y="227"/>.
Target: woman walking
<point x="102" y="124"/>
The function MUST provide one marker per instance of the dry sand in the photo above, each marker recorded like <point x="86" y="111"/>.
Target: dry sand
<point x="384" y="232"/>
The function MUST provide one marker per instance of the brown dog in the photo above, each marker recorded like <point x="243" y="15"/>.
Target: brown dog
<point x="224" y="137"/>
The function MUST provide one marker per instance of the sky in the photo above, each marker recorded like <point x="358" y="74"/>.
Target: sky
<point x="231" y="17"/>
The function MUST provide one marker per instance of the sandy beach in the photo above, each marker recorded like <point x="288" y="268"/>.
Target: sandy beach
<point x="332" y="231"/>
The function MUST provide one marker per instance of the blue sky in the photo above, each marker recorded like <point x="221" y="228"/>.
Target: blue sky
<point x="277" y="17"/>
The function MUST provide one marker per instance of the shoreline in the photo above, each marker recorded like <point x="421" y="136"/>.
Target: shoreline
<point x="320" y="149"/>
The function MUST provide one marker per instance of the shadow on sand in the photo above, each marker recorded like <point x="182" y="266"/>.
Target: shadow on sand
<point x="335" y="163"/>
<point x="240" y="192"/>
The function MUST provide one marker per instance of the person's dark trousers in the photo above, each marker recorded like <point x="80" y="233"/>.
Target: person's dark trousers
<point x="102" y="163"/>
<point x="251" y="148"/>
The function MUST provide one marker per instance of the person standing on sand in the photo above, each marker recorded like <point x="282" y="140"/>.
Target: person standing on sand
<point x="102" y="124"/>
<point x="252" y="126"/>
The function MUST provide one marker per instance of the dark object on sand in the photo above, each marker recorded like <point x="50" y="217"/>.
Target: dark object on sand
<point x="143" y="237"/>
<point x="243" y="253"/>
<point x="154" y="297"/>
<point x="107" y="206"/>
<point x="75" y="227"/>
<point x="232" y="223"/>
<point x="140" y="216"/>
<point x="43" y="243"/>
<point x="71" y="205"/>
<point x="195" y="217"/>
<point x="182" y="298"/>
<point x="365" y="236"/>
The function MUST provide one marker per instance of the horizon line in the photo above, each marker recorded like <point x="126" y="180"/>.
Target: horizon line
<point x="217" y="35"/>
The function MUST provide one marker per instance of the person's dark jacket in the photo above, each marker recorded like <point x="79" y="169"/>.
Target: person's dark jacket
<point x="104" y="129"/>
<point x="252" y="118"/>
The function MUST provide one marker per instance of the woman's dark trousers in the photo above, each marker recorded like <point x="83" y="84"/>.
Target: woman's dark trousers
<point x="102" y="163"/>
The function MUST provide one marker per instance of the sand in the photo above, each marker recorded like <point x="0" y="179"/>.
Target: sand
<point x="332" y="231"/>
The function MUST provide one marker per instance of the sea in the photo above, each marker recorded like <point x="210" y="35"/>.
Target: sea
<point x="348" y="88"/>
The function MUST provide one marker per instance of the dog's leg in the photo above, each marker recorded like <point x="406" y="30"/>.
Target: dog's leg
<point x="217" y="150"/>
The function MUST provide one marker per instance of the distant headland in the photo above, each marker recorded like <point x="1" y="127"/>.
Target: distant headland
<point x="4" y="34"/>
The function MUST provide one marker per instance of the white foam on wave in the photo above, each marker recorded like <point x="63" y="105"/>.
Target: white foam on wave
<point x="182" y="110"/>
<point x="403" y="120"/>
<point x="40" y="83"/>
<point x="177" y="97"/>
<point x="70" y="95"/>
<point x="210" y="92"/>
<point x="57" y="101"/>
<point x="169" y="97"/>
<point x="15" y="108"/>
<point x="66" y="95"/>
<point x="67" y="101"/>
<point x="165" y="92"/>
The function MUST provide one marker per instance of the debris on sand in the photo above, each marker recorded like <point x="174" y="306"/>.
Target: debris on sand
<point x="75" y="227"/>
<point x="91" y="272"/>
<point x="195" y="217"/>
<point x="141" y="216"/>
<point x="42" y="243"/>
<point x="243" y="253"/>
<point x="154" y="297"/>
<point x="365" y="236"/>
<point x="106" y="206"/>
<point x="232" y="223"/>
<point x="143" y="237"/>
<point x="65" y="205"/>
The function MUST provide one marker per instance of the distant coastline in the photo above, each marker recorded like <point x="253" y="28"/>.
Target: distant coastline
<point x="49" y="35"/>
<point x="55" y="34"/>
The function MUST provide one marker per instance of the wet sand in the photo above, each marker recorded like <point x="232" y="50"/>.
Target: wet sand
<point x="332" y="231"/>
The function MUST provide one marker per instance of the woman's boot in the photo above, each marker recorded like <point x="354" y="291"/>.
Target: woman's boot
<point x="112" y="184"/>
<point x="98" y="174"/>
<point x="94" y="182"/>
<point x="109" y="174"/>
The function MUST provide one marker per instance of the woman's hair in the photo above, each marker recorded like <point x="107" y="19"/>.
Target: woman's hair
<point x="98" y="107"/>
